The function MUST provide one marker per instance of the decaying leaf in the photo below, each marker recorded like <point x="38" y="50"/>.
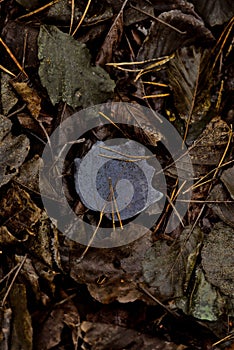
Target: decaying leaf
<point x="32" y="279"/>
<point x="62" y="318"/>
<point x="165" y="266"/>
<point x="110" y="274"/>
<point x="166" y="40"/>
<point x="102" y="336"/>
<point x="13" y="151"/>
<point x="8" y="97"/>
<point x="223" y="208"/>
<point x="189" y="78"/>
<point x="211" y="143"/>
<point x="29" y="174"/>
<point x="21" y="38"/>
<point x="111" y="41"/>
<point x="28" y="95"/>
<point x="227" y="178"/>
<point x="29" y="4"/>
<point x="7" y="239"/>
<point x="217" y="258"/>
<point x="66" y="72"/>
<point x="17" y="211"/>
<point x="22" y="333"/>
<point x="44" y="243"/>
<point x="214" y="12"/>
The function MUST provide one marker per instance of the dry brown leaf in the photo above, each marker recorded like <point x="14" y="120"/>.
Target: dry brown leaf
<point x="28" y="95"/>
<point x="22" y="333"/>
<point x="20" y="213"/>
<point x="112" y="40"/>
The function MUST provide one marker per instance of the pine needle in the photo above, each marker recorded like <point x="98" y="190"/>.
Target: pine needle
<point x="39" y="9"/>
<point x="13" y="58"/>
<point x="82" y="17"/>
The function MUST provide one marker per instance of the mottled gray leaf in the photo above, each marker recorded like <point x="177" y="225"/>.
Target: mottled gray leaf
<point x="166" y="267"/>
<point x="218" y="259"/>
<point x="13" y="151"/>
<point x="8" y="97"/>
<point x="223" y="208"/>
<point x="29" y="174"/>
<point x="66" y="72"/>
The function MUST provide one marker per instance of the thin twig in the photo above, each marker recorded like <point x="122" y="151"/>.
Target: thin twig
<point x="154" y="83"/>
<point x="199" y="183"/>
<point x="156" y="96"/>
<point x="9" y="273"/>
<point x="13" y="280"/>
<point x="112" y="204"/>
<point x="93" y="235"/>
<point x="13" y="58"/>
<point x="157" y="60"/>
<point x="227" y="29"/>
<point x="192" y="107"/>
<point x="188" y="236"/>
<point x="225" y="151"/>
<point x="147" y="292"/>
<point x="109" y="120"/>
<point x="24" y="49"/>
<point x="175" y="210"/>
<point x="39" y="9"/>
<point x="205" y="201"/>
<point x="124" y="154"/>
<point x="228" y="337"/>
<point x="17" y="111"/>
<point x="115" y="204"/>
<point x="7" y="71"/>
<point x="72" y="15"/>
<point x="82" y="17"/>
<point x="158" y="19"/>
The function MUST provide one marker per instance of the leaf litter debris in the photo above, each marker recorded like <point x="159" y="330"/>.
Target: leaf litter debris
<point x="176" y="58"/>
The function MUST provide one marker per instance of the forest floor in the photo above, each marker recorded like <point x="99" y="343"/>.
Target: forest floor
<point x="135" y="97"/>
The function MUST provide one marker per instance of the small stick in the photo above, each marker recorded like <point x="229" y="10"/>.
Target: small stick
<point x="158" y="19"/>
<point x="13" y="280"/>
<point x="72" y="15"/>
<point x="116" y="205"/>
<point x="154" y="83"/>
<point x="156" y="96"/>
<point x="109" y="120"/>
<point x="39" y="9"/>
<point x="7" y="71"/>
<point x="13" y="57"/>
<point x="82" y="18"/>
<point x="93" y="236"/>
<point x="112" y="203"/>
